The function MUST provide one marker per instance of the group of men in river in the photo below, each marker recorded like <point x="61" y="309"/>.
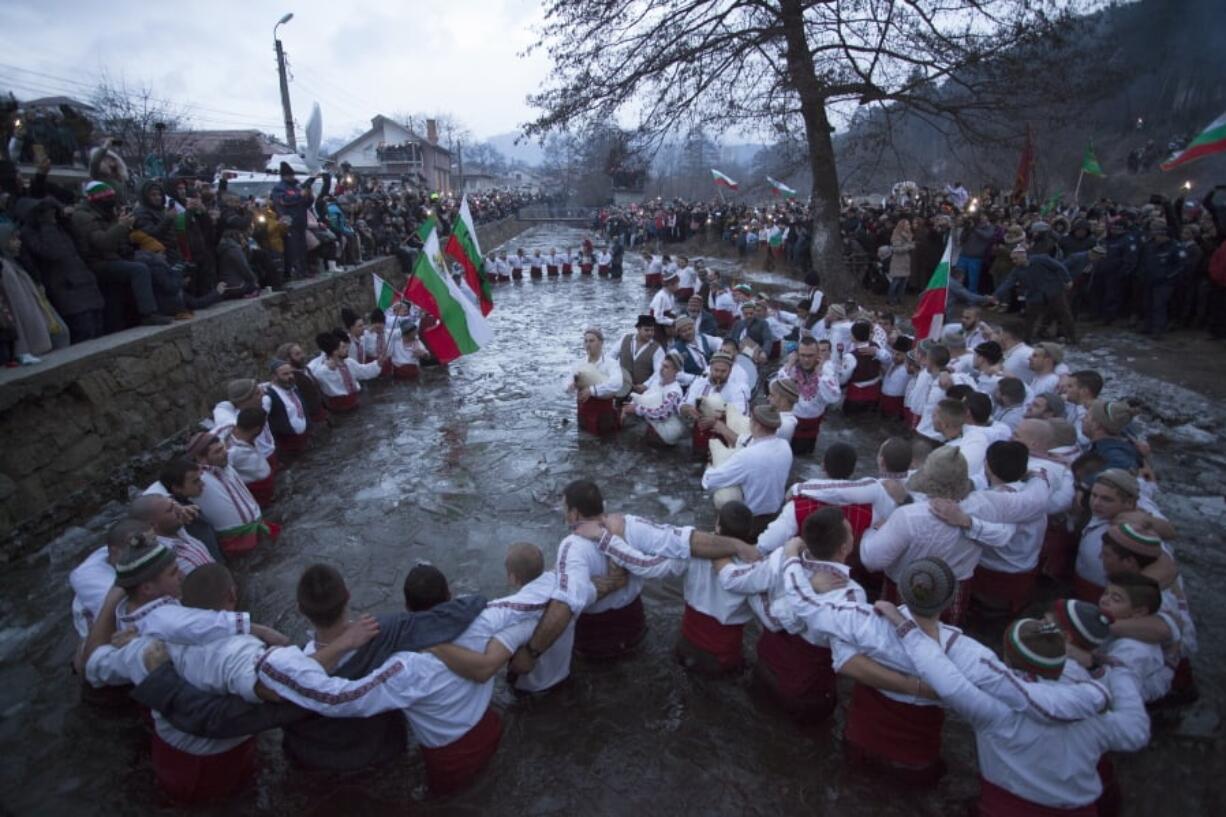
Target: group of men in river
<point x="1010" y="480"/>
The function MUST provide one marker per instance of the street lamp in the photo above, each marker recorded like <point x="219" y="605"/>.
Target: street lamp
<point x="285" y="108"/>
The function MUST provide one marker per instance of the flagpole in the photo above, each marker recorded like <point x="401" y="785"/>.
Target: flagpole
<point x="1077" y="190"/>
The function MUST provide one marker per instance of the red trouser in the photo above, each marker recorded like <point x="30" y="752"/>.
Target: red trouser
<point x="189" y="778"/>
<point x="904" y="737"/>
<point x="721" y="641"/>
<point x="452" y="767"/>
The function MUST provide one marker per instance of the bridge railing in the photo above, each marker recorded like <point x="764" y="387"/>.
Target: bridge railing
<point x="555" y="212"/>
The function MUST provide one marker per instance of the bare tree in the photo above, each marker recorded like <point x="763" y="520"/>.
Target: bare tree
<point x="796" y="65"/>
<point x="131" y="116"/>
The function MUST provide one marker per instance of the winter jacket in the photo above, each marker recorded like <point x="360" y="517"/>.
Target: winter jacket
<point x="233" y="269"/>
<point x="99" y="237"/>
<point x="156" y="221"/>
<point x="1161" y="263"/>
<point x="70" y="286"/>
<point x="1042" y="279"/>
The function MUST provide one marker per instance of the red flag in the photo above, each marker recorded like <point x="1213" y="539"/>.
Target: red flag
<point x="1021" y="182"/>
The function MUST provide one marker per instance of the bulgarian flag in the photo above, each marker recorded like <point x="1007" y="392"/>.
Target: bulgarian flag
<point x="781" y="188"/>
<point x="461" y="328"/>
<point x="385" y="295"/>
<point x="1212" y="140"/>
<point x="723" y="181"/>
<point x="929" y="315"/>
<point x="1089" y="163"/>
<point x="463" y="247"/>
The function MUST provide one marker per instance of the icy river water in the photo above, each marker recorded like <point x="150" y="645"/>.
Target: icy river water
<point x="455" y="468"/>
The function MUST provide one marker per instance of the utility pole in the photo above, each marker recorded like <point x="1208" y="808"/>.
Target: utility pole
<point x="285" y="108"/>
<point x="459" y="153"/>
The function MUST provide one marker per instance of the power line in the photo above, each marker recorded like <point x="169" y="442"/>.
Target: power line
<point x="65" y="82"/>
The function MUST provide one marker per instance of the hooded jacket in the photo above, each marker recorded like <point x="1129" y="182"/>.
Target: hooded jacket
<point x="71" y="287"/>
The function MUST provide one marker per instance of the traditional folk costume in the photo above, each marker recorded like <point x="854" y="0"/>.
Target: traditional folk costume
<point x="229" y="507"/>
<point x="598" y="414"/>
<point x="407" y="353"/>
<point x="536" y="266"/>
<point x="760" y="469"/>
<point x="339" y="382"/>
<point x="818" y="389"/>
<point x="287" y="418"/>
<point x="864" y="387"/>
<point x="723" y="306"/>
<point x="731" y="393"/>
<point x="653" y="278"/>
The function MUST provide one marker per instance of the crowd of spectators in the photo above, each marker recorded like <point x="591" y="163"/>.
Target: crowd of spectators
<point x="84" y="260"/>
<point x="1150" y="266"/>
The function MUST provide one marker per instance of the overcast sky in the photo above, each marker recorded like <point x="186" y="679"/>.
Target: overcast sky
<point x="216" y="59"/>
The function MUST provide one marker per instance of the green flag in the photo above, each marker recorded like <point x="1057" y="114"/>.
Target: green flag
<point x="1089" y="163"/>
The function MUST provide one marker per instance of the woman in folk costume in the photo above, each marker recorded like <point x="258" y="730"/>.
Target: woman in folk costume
<point x="661" y="403"/>
<point x="338" y="374"/>
<point x="596" y="382"/>
<point x="36" y="327"/>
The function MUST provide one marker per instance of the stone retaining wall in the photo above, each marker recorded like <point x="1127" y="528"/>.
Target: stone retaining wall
<point x="100" y="416"/>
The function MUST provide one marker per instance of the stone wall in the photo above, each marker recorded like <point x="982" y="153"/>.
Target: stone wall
<point x="97" y="417"/>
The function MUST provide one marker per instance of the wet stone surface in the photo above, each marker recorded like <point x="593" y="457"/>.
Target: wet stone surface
<point x="455" y="468"/>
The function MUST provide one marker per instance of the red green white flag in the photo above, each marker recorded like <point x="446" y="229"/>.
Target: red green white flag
<point x="722" y="180"/>
<point x="1212" y="140"/>
<point x="929" y="315"/>
<point x="781" y="188"/>
<point x="462" y="246"/>
<point x="461" y="329"/>
<point x="385" y="295"/>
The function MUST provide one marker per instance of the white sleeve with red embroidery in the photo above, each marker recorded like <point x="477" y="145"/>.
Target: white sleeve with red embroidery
<point x="301" y="680"/>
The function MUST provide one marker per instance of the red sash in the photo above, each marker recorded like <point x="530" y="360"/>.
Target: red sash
<point x="1108" y="804"/>
<point x="1084" y="590"/>
<point x="683" y="295"/>
<point x="340" y="405"/>
<point x="953" y="614"/>
<point x="882" y="730"/>
<point x="654" y="280"/>
<point x="534" y="272"/>
<point x="598" y="415"/>
<point x="807" y="428"/>
<point x="802" y="671"/>
<point x="603" y="269"/>
<point x="586" y="269"/>
<point x="1056" y="559"/>
<point x="997" y="802"/>
<point x="891" y="406"/>
<point x="551" y="270"/>
<point x="567" y="269"/>
<point x="292" y="443"/>
<point x="910" y="418"/>
<point x="406" y="371"/>
<point x="517" y="274"/>
<point x="863" y="394"/>
<point x="263" y="489"/>
<point x="1004" y="591"/>
<point x="720" y="641"/>
<point x="724" y="318"/>
<point x="452" y="767"/>
<point x="701" y="441"/>
<point x="238" y="543"/>
<point x="611" y="633"/>
<point x="189" y="778"/>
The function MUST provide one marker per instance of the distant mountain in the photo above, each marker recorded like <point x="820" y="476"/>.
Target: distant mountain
<point x="528" y="152"/>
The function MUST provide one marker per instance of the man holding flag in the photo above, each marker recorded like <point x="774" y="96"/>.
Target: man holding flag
<point x="929" y="314"/>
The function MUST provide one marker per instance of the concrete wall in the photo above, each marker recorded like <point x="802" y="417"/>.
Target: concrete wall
<point x="100" y="416"/>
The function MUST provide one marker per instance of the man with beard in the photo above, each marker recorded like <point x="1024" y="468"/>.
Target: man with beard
<point x="817" y="382"/>
<point x="225" y="502"/>
<point x="167" y="518"/>
<point x="304" y="381"/>
<point x="287" y="414"/>
<point x="716" y="383"/>
<point x="694" y="347"/>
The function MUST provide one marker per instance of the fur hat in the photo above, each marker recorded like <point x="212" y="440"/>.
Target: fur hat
<point x="927" y="586"/>
<point x="141" y="560"/>
<point x="903" y="343"/>
<point x="645" y="320"/>
<point x="1113" y="416"/>
<point x="1120" y="480"/>
<point x="787" y="387"/>
<point x="1135" y="538"/>
<point x="199" y="443"/>
<point x="944" y="474"/>
<point x="674" y="357"/>
<point x="1035" y="646"/>
<point x="953" y="336"/>
<point x="240" y="390"/>
<point x="277" y="363"/>
<point x="1053" y="350"/>
<point x="837" y="312"/>
<point x="684" y="320"/>
<point x="722" y="357"/>
<point x="767" y="416"/>
<point x="1085" y="625"/>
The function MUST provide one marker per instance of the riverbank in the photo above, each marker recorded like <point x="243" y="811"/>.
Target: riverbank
<point x="95" y="418"/>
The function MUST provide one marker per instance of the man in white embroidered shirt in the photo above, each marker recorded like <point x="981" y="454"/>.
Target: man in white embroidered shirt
<point x="761" y="468"/>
